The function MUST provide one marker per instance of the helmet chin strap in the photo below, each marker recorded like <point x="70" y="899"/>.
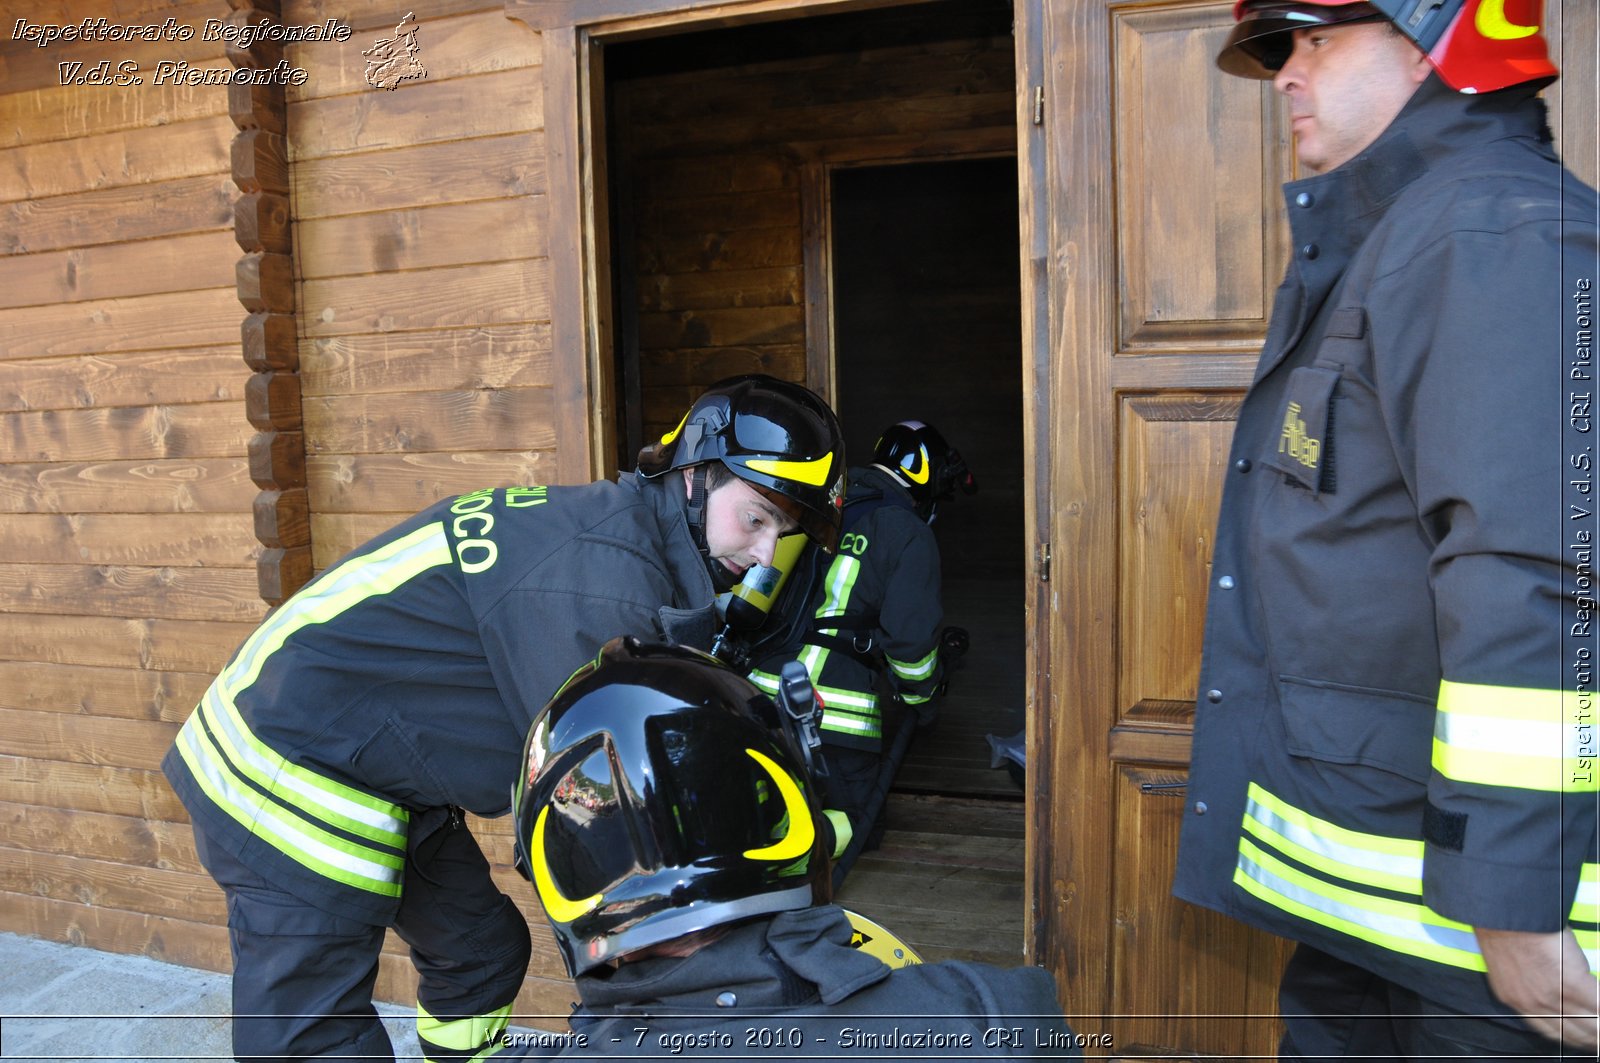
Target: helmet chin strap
<point x="722" y="578"/>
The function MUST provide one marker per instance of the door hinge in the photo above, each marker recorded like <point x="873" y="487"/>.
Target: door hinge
<point x="1044" y="562"/>
<point x="1038" y="105"/>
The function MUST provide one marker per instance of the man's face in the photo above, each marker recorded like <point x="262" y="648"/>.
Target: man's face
<point x="742" y="526"/>
<point x="1345" y="84"/>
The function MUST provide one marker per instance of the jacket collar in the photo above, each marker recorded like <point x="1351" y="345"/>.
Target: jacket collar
<point x="793" y="959"/>
<point x="683" y="558"/>
<point x="1332" y="214"/>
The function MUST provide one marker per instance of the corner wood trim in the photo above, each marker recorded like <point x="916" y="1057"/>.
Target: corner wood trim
<point x="269" y="336"/>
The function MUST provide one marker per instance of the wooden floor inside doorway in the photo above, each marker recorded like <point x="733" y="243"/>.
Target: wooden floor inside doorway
<point x="947" y="879"/>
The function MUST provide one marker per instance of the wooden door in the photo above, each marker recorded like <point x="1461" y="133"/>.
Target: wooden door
<point x="1153" y="241"/>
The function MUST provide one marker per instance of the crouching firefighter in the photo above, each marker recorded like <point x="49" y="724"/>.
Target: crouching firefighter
<point x="327" y="768"/>
<point x="667" y="817"/>
<point x="872" y="623"/>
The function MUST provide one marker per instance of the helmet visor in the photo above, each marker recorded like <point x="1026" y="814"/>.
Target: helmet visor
<point x="1260" y="44"/>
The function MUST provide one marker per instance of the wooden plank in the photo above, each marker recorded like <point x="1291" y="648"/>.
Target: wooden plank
<point x="713" y="291"/>
<point x="225" y="594"/>
<point x="148" y="267"/>
<point x="135" y="432"/>
<point x="53" y="114"/>
<point x="138" y="792"/>
<point x="117" y="215"/>
<point x="165" y="152"/>
<point x="429" y="421"/>
<point x="374" y="120"/>
<point x="183" y="540"/>
<point x="214" y="485"/>
<point x="931" y="114"/>
<point x="161" y="644"/>
<point x="419" y="176"/>
<point x="461" y="296"/>
<point x="723" y="328"/>
<point x="482" y="42"/>
<point x="497" y="356"/>
<point x="188" y="375"/>
<point x="703" y="175"/>
<point x="113" y="884"/>
<point x="494" y="230"/>
<point x="111" y="930"/>
<point x="31" y="67"/>
<point x="123" y="693"/>
<point x="718" y="248"/>
<point x="405" y="483"/>
<point x="694" y="367"/>
<point x="126" y="839"/>
<point x="111" y="742"/>
<point x="206" y="318"/>
<point x="745" y="210"/>
<point x="378" y="16"/>
<point x="335" y="534"/>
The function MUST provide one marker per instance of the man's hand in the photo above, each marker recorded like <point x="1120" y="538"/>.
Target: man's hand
<point x="1547" y="978"/>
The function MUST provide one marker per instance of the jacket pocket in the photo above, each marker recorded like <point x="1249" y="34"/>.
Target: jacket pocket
<point x="1303" y="451"/>
<point x="1343" y="724"/>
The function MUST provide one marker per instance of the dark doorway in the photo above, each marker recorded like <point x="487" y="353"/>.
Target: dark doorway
<point x="927" y="326"/>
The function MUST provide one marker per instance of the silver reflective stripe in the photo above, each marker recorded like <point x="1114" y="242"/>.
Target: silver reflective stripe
<point x="1396" y="925"/>
<point x="260" y="816"/>
<point x="270" y="773"/>
<point x="1334" y="849"/>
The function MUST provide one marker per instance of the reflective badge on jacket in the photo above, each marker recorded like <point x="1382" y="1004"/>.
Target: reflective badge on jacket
<point x="1303" y="449"/>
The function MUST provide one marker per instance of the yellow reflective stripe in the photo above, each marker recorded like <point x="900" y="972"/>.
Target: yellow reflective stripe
<point x="326" y="854"/>
<point x="801" y="832"/>
<point x="842" y="831"/>
<point x="457" y="1036"/>
<point x="1371" y="859"/>
<point x="766" y="681"/>
<point x="557" y="905"/>
<point x="1399" y="926"/>
<point x="914" y="670"/>
<point x="1517" y="737"/>
<point x="814" y="472"/>
<point x="358" y="579"/>
<point x="1586" y="903"/>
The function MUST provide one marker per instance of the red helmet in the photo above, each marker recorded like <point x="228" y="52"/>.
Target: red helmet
<point x="1474" y="45"/>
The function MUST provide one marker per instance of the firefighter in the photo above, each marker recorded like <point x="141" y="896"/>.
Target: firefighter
<point x="876" y="621"/>
<point x="670" y="824"/>
<point x="1393" y="758"/>
<point x="328" y="765"/>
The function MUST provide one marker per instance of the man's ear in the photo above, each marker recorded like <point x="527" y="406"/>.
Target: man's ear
<point x="1420" y="67"/>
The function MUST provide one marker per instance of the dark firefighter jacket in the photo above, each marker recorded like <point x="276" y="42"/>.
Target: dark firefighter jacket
<point x="883" y="589"/>
<point x="406" y="676"/>
<point x="1395" y="731"/>
<point x="792" y="985"/>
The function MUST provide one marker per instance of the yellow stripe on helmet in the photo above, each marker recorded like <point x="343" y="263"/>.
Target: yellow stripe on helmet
<point x="801" y="833"/>
<point x="556" y="905"/>
<point x="814" y="472"/>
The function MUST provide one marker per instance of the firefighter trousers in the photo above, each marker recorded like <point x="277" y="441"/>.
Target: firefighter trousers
<point x="1334" y="1010"/>
<point x="303" y="978"/>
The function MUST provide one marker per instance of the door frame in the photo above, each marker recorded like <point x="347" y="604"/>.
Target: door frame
<point x="573" y="33"/>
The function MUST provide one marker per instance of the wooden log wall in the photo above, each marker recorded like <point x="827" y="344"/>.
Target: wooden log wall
<point x="127" y="556"/>
<point x="220" y="314"/>
<point x="725" y="157"/>
<point x="422" y="307"/>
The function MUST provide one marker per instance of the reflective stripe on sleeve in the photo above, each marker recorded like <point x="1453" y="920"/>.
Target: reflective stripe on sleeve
<point x="1517" y="737"/>
<point x="913" y="671"/>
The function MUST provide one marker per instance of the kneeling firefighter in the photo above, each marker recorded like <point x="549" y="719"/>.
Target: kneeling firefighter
<point x="873" y="623"/>
<point x="669" y="821"/>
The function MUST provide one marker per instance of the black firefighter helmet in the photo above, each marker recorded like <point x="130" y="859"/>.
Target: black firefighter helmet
<point x="661" y="794"/>
<point x="930" y="468"/>
<point x="777" y="436"/>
